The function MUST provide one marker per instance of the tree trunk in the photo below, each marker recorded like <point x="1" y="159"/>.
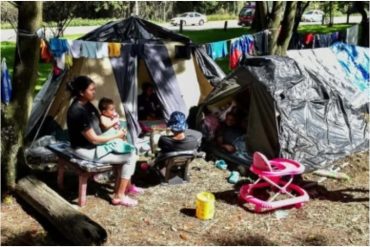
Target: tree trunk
<point x="73" y="225"/>
<point x="260" y="21"/>
<point x="286" y="28"/>
<point x="14" y="116"/>
<point x="331" y="14"/>
<point x="364" y="38"/>
<point x="360" y="7"/>
<point x="348" y="12"/>
<point x="274" y="26"/>
<point x="301" y="8"/>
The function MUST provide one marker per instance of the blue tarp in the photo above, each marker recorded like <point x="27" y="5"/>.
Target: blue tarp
<point x="355" y="63"/>
<point x="6" y="84"/>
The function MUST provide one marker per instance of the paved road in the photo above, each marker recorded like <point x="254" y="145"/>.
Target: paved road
<point x="9" y="34"/>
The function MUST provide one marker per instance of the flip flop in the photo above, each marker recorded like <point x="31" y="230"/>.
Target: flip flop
<point x="221" y="164"/>
<point x="234" y="177"/>
<point x="134" y="190"/>
<point x="124" y="201"/>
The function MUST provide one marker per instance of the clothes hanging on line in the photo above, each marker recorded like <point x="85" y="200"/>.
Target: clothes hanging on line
<point x="261" y="42"/>
<point x="240" y="48"/>
<point x="352" y="35"/>
<point x="325" y="40"/>
<point x="6" y="84"/>
<point x="45" y="54"/>
<point x="75" y="48"/>
<point x="58" y="46"/>
<point x="114" y="49"/>
<point x="217" y="49"/>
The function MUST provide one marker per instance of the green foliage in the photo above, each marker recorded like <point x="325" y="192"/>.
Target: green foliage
<point x="8" y="51"/>
<point x="9" y="14"/>
<point x="221" y="17"/>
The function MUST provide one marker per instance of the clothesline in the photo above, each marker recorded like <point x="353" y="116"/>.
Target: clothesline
<point x="239" y="47"/>
<point x="257" y="44"/>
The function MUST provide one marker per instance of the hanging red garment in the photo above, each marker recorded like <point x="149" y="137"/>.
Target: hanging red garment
<point x="235" y="53"/>
<point x="308" y="39"/>
<point x="56" y="71"/>
<point x="45" y="54"/>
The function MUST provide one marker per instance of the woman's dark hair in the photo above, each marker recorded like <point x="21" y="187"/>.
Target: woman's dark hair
<point x="78" y="84"/>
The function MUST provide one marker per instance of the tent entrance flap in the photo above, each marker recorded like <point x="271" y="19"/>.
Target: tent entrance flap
<point x="262" y="132"/>
<point x="125" y="73"/>
<point x="159" y="65"/>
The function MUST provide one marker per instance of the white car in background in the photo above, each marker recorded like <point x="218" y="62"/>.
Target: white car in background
<point x="189" y="18"/>
<point x="313" y="16"/>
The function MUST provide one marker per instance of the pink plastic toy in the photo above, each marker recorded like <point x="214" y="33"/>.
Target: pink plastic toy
<point x="271" y="172"/>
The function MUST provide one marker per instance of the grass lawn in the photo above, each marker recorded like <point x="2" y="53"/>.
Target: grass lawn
<point x="323" y="28"/>
<point x="204" y="36"/>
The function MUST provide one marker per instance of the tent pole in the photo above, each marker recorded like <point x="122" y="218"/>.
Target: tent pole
<point x="42" y="121"/>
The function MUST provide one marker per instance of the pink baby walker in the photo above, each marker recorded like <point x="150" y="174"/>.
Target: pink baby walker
<point x="270" y="174"/>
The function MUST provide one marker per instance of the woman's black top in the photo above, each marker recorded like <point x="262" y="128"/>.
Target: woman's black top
<point x="81" y="118"/>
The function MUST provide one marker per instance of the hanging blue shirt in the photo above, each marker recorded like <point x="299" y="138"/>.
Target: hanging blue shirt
<point x="58" y="47"/>
<point x="218" y="49"/>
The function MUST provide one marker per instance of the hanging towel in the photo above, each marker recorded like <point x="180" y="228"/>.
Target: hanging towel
<point x="352" y="35"/>
<point x="261" y="43"/>
<point x="75" y="48"/>
<point x="45" y="54"/>
<point x="58" y="47"/>
<point x="322" y="40"/>
<point x="88" y="49"/>
<point x="114" y="49"/>
<point x="6" y="84"/>
<point x="68" y="60"/>
<point x="247" y="44"/>
<point x="334" y="37"/>
<point x="101" y="50"/>
<point x="61" y="61"/>
<point x="218" y="49"/>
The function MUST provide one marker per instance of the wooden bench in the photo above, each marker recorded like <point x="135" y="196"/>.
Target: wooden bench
<point x="83" y="168"/>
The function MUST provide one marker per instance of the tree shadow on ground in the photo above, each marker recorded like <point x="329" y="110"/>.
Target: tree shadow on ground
<point x="51" y="236"/>
<point x="259" y="240"/>
<point x="27" y="238"/>
<point x="248" y="240"/>
<point x="315" y="240"/>
<point x="320" y="192"/>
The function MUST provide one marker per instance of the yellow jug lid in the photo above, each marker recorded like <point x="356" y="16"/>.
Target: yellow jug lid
<point x="205" y="196"/>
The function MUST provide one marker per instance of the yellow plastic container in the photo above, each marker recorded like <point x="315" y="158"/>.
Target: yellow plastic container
<point x="205" y="206"/>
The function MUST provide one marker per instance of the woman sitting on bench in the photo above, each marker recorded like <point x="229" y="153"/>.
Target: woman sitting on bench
<point x="85" y="134"/>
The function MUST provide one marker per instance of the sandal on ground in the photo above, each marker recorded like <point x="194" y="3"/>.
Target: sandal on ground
<point x="221" y="164"/>
<point x="125" y="201"/>
<point x="234" y="177"/>
<point x="134" y="190"/>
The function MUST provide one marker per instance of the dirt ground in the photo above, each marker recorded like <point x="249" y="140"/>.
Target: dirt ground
<point x="337" y="214"/>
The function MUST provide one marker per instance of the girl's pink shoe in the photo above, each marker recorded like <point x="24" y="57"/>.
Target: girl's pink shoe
<point x="125" y="201"/>
<point x="134" y="190"/>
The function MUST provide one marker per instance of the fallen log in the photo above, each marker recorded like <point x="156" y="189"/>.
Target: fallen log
<point x="72" y="224"/>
